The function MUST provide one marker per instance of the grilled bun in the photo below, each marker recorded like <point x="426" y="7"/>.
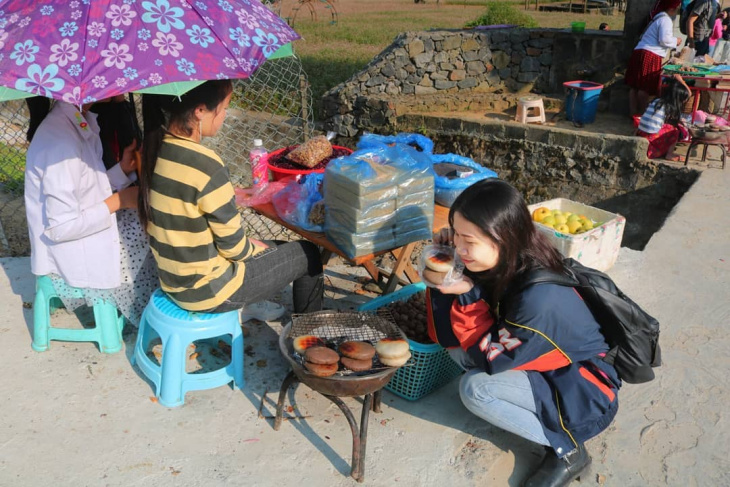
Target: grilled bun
<point x="440" y="262"/>
<point x="302" y="343"/>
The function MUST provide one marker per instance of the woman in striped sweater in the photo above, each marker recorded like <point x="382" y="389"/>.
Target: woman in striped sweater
<point x="205" y="260"/>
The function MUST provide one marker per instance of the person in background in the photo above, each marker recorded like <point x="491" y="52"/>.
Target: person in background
<point x="533" y="354"/>
<point x="660" y="123"/>
<point x="644" y="72"/>
<point x="82" y="220"/>
<point x="206" y="261"/>
<point x="604" y="26"/>
<point x="700" y="24"/>
<point x="716" y="34"/>
<point x="118" y="128"/>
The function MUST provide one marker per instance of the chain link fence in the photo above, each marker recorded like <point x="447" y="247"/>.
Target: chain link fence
<point x="275" y="105"/>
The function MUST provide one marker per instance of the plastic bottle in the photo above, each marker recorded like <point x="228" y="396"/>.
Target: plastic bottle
<point x="259" y="168"/>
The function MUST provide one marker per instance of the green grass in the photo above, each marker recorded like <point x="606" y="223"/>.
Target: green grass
<point x="12" y="167"/>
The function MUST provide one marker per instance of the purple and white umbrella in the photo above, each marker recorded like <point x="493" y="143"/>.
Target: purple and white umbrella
<point x="81" y="51"/>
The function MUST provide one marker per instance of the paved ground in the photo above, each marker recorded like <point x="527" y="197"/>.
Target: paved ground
<point x="73" y="416"/>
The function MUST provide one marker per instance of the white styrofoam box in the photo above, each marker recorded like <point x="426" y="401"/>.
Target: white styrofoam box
<point x="597" y="248"/>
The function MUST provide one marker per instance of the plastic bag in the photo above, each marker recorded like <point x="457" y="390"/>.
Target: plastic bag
<point x="258" y="196"/>
<point x="300" y="203"/>
<point x="419" y="142"/>
<point x="448" y="186"/>
<point x="436" y="256"/>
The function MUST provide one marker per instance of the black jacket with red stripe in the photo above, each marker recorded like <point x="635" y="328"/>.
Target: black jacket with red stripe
<point x="548" y="331"/>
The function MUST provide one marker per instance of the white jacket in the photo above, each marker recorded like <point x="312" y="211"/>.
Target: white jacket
<point x="72" y="233"/>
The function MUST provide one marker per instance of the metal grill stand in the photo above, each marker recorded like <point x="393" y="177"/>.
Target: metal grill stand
<point x="359" y="435"/>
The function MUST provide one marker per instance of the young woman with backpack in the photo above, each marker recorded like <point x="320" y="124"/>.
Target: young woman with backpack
<point x="533" y="354"/>
<point x="644" y="72"/>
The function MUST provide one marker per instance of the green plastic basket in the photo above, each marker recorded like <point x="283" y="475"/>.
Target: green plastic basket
<point x="430" y="366"/>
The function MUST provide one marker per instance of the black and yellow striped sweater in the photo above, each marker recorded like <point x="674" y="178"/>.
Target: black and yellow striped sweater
<point x="195" y="229"/>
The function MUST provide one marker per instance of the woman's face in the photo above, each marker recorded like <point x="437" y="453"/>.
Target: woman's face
<point x="478" y="252"/>
<point x="213" y="120"/>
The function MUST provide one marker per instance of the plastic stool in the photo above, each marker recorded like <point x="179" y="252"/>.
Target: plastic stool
<point x="524" y="105"/>
<point x="107" y="332"/>
<point x="177" y="328"/>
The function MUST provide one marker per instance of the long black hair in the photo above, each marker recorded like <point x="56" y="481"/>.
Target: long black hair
<point x="178" y="112"/>
<point x="500" y="212"/>
<point x="38" y="107"/>
<point x="674" y="95"/>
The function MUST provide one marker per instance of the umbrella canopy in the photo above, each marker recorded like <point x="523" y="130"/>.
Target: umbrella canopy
<point x="81" y="51"/>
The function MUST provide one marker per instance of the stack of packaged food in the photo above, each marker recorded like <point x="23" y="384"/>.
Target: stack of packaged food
<point x="378" y="199"/>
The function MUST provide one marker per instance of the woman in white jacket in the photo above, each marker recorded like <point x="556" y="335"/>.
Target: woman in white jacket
<point x="82" y="221"/>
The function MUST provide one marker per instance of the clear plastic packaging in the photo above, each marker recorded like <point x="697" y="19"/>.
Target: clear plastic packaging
<point x="441" y="254"/>
<point x="378" y="199"/>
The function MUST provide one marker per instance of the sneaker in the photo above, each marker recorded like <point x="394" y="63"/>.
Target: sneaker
<point x="262" y="311"/>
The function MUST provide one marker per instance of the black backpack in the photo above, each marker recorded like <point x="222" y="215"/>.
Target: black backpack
<point x="631" y="333"/>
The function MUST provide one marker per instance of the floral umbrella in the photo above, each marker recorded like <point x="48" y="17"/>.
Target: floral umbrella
<point x="82" y="51"/>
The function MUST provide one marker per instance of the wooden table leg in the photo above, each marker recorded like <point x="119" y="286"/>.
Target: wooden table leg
<point x="409" y="271"/>
<point x="372" y="269"/>
<point x="403" y="259"/>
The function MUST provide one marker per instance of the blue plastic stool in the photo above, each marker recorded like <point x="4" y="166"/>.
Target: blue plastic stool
<point x="177" y="329"/>
<point x="107" y="332"/>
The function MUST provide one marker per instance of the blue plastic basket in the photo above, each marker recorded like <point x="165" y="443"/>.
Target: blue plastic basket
<point x="581" y="102"/>
<point x="431" y="367"/>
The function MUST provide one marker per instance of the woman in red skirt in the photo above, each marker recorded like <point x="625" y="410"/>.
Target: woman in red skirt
<point x="644" y="73"/>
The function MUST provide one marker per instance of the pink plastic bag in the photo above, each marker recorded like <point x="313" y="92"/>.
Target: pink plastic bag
<point x="259" y="196"/>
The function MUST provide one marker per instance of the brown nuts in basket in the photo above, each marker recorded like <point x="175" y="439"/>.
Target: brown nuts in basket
<point x="311" y="153"/>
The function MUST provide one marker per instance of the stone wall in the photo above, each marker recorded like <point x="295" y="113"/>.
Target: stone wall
<point x="482" y="64"/>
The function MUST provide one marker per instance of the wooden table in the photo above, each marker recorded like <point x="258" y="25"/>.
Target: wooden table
<point x="402" y="255"/>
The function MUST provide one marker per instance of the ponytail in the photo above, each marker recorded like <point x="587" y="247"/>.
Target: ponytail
<point x="153" y="119"/>
<point x="38" y="106"/>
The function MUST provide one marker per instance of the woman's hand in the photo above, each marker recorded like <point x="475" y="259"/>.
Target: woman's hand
<point x="679" y="41"/>
<point x="129" y="161"/>
<point x="445" y="236"/>
<point x="459" y="287"/>
<point x="258" y="243"/>
<point x="126" y="198"/>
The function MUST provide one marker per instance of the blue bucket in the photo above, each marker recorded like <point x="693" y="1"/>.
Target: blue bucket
<point x="581" y="102"/>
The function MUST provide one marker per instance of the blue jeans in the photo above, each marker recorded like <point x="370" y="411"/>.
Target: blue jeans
<point x="504" y="399"/>
<point x="282" y="263"/>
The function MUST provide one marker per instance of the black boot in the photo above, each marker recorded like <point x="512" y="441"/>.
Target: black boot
<point x="559" y="472"/>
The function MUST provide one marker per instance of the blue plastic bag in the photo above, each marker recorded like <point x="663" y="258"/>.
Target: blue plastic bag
<point x="294" y="203"/>
<point x="419" y="142"/>
<point x="447" y="189"/>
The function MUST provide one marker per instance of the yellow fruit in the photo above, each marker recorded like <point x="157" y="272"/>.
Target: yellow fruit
<point x="562" y="228"/>
<point x="567" y="214"/>
<point x="548" y="220"/>
<point x="560" y="219"/>
<point x="556" y="212"/>
<point x="587" y="224"/>
<point x="574" y="226"/>
<point x="573" y="217"/>
<point x="540" y="213"/>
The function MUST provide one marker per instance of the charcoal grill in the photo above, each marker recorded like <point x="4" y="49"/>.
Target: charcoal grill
<point x="334" y="328"/>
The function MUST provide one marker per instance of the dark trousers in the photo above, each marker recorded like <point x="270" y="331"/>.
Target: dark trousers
<point x="268" y="272"/>
<point x="702" y="47"/>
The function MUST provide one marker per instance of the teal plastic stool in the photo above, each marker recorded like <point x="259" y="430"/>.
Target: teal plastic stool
<point x="178" y="328"/>
<point x="109" y="323"/>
